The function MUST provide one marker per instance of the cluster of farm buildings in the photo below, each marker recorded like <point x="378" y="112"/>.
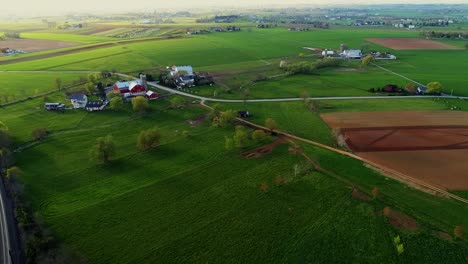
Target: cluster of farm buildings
<point x="179" y="76"/>
<point x="353" y="54"/>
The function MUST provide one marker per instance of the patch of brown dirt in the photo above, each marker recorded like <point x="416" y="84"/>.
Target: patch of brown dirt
<point x="197" y="121"/>
<point x="263" y="150"/>
<point x="360" y="195"/>
<point x="411" y="44"/>
<point x="402" y="221"/>
<point x="443" y="235"/>
<point x="33" y="45"/>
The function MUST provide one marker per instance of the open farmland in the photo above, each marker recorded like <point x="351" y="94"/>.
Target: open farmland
<point x="139" y="198"/>
<point x="34" y="45"/>
<point x="204" y="193"/>
<point x="429" y="145"/>
<point x="411" y="44"/>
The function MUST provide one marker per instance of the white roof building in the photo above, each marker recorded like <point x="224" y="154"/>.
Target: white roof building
<point x="352" y="54"/>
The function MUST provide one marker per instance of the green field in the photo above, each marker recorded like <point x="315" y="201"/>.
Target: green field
<point x="188" y="193"/>
<point x="84" y="39"/>
<point x="16" y="86"/>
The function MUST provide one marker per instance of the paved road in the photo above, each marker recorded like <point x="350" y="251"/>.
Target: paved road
<point x="5" y="228"/>
<point x="209" y="99"/>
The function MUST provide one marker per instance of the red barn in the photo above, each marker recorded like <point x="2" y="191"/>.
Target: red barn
<point x="134" y="87"/>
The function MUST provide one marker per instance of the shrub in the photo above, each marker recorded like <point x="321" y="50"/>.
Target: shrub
<point x="375" y="192"/>
<point x="39" y="134"/>
<point x="116" y="103"/>
<point x="259" y="135"/>
<point x="387" y="211"/>
<point x="264" y="187"/>
<point x="270" y="124"/>
<point x="458" y="231"/>
<point x="240" y="136"/>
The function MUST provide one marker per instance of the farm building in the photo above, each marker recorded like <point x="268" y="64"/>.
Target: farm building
<point x="183" y="75"/>
<point x="78" y="100"/>
<point x="132" y="88"/>
<point x="54" y="106"/>
<point x="421" y="90"/>
<point x="352" y="54"/>
<point x="95" y="106"/>
<point x="328" y="53"/>
<point x="151" y="95"/>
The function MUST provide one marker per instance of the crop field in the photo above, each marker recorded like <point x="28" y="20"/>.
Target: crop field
<point x="426" y="145"/>
<point x="15" y="86"/>
<point x="34" y="45"/>
<point x="411" y="44"/>
<point x="83" y="39"/>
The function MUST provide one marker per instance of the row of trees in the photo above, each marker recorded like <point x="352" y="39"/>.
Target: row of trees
<point x="311" y="68"/>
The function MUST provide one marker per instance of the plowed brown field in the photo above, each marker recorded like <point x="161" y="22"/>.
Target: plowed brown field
<point x="428" y="145"/>
<point x="411" y="44"/>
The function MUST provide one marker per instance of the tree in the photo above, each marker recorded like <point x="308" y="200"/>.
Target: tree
<point x="225" y="118"/>
<point x="140" y="104"/>
<point x="101" y="89"/>
<point x="149" y="139"/>
<point x="375" y="192"/>
<point x="466" y="45"/>
<point x="301" y="55"/>
<point x="116" y="103"/>
<point x="368" y="59"/>
<point x="92" y="78"/>
<point x="434" y="87"/>
<point x="58" y="83"/>
<point x="270" y="124"/>
<point x="103" y="150"/>
<point x="240" y="136"/>
<point x="458" y="231"/>
<point x="259" y="135"/>
<point x="39" y="134"/>
<point x="90" y="88"/>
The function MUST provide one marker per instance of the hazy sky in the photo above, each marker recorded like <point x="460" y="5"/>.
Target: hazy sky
<point x="47" y="7"/>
